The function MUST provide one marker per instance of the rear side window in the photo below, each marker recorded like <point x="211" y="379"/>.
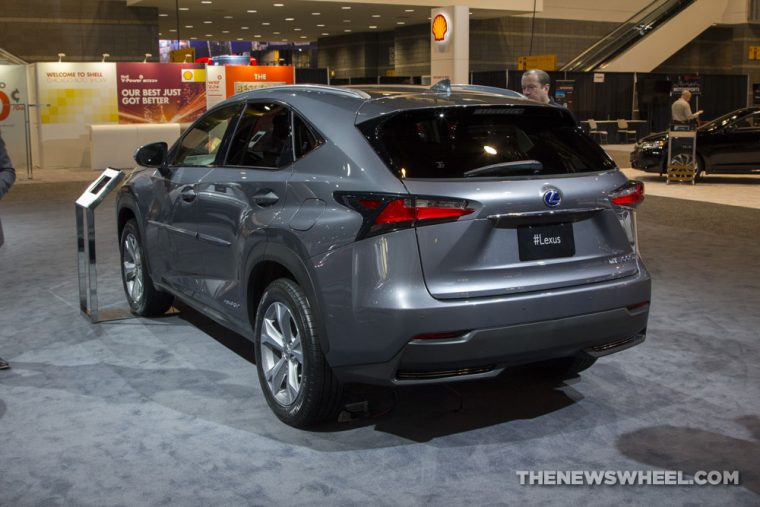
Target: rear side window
<point x="263" y="137"/>
<point x="465" y="142"/>
<point x="305" y="138"/>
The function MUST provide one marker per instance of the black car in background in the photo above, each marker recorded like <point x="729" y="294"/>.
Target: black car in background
<point x="728" y="144"/>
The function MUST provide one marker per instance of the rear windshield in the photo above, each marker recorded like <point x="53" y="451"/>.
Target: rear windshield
<point x="468" y="142"/>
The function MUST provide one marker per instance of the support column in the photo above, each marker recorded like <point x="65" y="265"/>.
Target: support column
<point x="450" y="44"/>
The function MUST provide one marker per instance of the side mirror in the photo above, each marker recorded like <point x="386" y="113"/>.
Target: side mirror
<point x="154" y="155"/>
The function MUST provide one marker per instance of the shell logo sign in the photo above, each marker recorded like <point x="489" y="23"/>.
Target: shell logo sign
<point x="440" y="28"/>
<point x="193" y="75"/>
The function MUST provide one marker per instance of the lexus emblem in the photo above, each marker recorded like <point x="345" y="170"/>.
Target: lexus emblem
<point x="552" y="198"/>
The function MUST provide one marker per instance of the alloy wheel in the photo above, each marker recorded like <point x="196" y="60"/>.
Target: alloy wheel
<point x="281" y="353"/>
<point x="133" y="269"/>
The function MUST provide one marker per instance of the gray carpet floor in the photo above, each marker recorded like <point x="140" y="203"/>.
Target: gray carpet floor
<point x="169" y="411"/>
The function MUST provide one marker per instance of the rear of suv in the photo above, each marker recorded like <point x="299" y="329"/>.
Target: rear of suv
<point x="393" y="235"/>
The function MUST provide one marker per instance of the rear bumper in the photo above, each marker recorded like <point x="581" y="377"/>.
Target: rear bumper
<point x="486" y="352"/>
<point x="374" y="306"/>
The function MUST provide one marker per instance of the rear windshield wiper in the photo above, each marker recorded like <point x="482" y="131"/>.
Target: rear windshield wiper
<point x="505" y="167"/>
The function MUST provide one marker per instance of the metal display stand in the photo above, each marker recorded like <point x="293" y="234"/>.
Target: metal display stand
<point x="682" y="155"/>
<point x="88" y="276"/>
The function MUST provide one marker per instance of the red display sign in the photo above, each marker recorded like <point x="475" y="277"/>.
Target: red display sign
<point x="160" y="92"/>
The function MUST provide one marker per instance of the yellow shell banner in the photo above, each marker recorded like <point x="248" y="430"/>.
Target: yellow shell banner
<point x="440" y="27"/>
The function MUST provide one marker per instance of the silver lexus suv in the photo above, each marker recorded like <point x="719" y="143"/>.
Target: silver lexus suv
<point x="388" y="234"/>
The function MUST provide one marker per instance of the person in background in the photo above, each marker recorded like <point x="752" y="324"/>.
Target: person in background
<point x="7" y="177"/>
<point x="681" y="110"/>
<point x="535" y="86"/>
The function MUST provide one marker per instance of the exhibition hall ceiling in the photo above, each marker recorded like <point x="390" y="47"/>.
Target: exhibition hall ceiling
<point x="302" y="20"/>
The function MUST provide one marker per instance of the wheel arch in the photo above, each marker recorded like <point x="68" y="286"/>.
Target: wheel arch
<point x="281" y="262"/>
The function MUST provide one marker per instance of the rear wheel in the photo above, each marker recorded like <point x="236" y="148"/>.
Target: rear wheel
<point x="297" y="382"/>
<point x="144" y="299"/>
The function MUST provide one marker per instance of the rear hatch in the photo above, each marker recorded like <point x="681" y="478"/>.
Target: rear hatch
<point x="535" y="190"/>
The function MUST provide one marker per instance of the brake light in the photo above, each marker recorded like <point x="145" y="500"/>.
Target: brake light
<point x="402" y="210"/>
<point x="385" y="212"/>
<point x="630" y="194"/>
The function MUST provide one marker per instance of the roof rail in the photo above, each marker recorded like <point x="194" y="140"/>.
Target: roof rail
<point x="319" y="88"/>
<point x="489" y="89"/>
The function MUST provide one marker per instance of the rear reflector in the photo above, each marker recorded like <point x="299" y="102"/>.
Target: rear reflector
<point x="630" y="194"/>
<point x="440" y="336"/>
<point x="637" y="306"/>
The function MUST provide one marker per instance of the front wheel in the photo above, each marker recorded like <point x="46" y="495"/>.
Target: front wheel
<point x="297" y="382"/>
<point x="144" y="299"/>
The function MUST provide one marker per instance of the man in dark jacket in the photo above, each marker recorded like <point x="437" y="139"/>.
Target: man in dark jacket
<point x="7" y="177"/>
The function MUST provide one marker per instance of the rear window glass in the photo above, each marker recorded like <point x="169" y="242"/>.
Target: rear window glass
<point x="466" y="142"/>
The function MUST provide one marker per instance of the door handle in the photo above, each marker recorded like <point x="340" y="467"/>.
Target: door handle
<point x="265" y="198"/>
<point x="188" y="194"/>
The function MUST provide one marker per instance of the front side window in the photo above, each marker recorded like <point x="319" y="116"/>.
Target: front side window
<point x="201" y="144"/>
<point x="465" y="142"/>
<point x="262" y="138"/>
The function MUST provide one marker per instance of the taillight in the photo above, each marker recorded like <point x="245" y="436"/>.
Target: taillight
<point x="386" y="212"/>
<point x="630" y="194"/>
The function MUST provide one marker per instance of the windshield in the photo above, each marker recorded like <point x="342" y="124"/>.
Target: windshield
<point x="724" y="120"/>
<point x="494" y="141"/>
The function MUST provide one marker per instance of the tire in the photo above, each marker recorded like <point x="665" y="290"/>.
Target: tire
<point x="700" y="173"/>
<point x="565" y="367"/>
<point x="144" y="299"/>
<point x="297" y="382"/>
